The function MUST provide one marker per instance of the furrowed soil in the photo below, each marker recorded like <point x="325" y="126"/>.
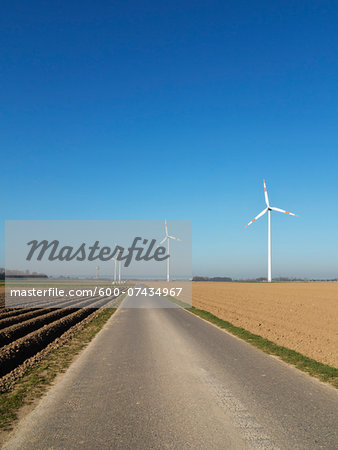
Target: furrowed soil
<point x="300" y="316"/>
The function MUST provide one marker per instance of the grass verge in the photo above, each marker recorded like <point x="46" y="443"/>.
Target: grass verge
<point x="314" y="368"/>
<point x="37" y="379"/>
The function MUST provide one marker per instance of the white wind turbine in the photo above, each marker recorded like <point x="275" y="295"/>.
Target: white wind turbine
<point x="268" y="209"/>
<point x="119" y="272"/>
<point x="115" y="261"/>
<point x="167" y="238"/>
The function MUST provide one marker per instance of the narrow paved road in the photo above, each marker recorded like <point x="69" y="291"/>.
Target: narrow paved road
<point x="163" y="378"/>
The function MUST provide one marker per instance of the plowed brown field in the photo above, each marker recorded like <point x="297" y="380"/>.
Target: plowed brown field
<point x="24" y="332"/>
<point x="300" y="316"/>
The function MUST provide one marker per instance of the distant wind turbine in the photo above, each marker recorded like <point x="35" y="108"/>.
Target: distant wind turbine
<point x="119" y="261"/>
<point x="119" y="272"/>
<point x="167" y="238"/>
<point x="115" y="261"/>
<point x="268" y="209"/>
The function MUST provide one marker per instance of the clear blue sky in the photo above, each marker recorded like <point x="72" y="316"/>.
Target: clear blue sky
<point x="141" y="110"/>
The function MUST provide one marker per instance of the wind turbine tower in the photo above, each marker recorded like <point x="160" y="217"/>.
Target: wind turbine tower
<point x="114" y="259"/>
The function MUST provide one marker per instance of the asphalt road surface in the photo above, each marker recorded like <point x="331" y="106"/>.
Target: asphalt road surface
<point x="158" y="378"/>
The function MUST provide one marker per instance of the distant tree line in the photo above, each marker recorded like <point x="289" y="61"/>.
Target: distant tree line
<point x="197" y="278"/>
<point x="19" y="274"/>
<point x="35" y="275"/>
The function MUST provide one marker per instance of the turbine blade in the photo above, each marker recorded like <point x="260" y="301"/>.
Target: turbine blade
<point x="166" y="227"/>
<point x="266" y="194"/>
<point x="176" y="239"/>
<point x="163" y="240"/>
<point x="282" y="211"/>
<point x="257" y="217"/>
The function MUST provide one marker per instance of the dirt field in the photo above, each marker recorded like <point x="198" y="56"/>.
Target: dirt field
<point x="300" y="316"/>
<point x="27" y="331"/>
